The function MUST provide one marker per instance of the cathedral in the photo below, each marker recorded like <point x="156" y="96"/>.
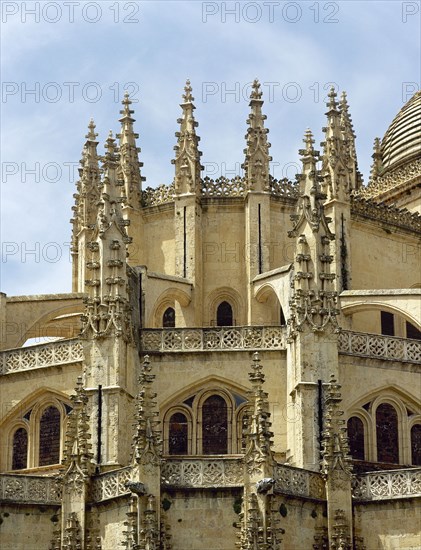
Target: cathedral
<point x="237" y="364"/>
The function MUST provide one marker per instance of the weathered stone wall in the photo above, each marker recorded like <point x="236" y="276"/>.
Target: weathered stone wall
<point x="389" y="525"/>
<point x="203" y="519"/>
<point x="109" y="518"/>
<point x="383" y="260"/>
<point x="27" y="527"/>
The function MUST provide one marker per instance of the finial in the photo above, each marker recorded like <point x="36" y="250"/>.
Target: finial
<point x="91" y="135"/>
<point x="126" y="111"/>
<point x="309" y="141"/>
<point x="256" y="92"/>
<point x="344" y="102"/>
<point x="187" y="96"/>
<point x="332" y="103"/>
<point x="110" y="146"/>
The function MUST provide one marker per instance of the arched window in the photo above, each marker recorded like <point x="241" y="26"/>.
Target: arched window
<point x="416" y="444"/>
<point x="387" y="434"/>
<point x="214" y="426"/>
<point x="20" y="449"/>
<point x="356" y="437"/>
<point x="224" y="316"/>
<point x="168" y="319"/>
<point x="178" y="434"/>
<point x="49" y="437"/>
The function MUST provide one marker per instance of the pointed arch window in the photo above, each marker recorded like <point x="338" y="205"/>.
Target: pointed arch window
<point x="356" y="438"/>
<point x="387" y="434"/>
<point x="168" y="319"/>
<point x="20" y="449"/>
<point x="224" y="315"/>
<point x="178" y="434"/>
<point x="215" y="426"/>
<point x="416" y="444"/>
<point x="49" y="437"/>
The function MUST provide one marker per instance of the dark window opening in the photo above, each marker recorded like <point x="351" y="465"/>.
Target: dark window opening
<point x="356" y="437"/>
<point x="168" y="319"/>
<point x="387" y="434"/>
<point x="388" y="327"/>
<point x="412" y="332"/>
<point x="282" y="317"/>
<point x="178" y="434"/>
<point x="215" y="426"/>
<point x="224" y="316"/>
<point x="416" y="444"/>
<point x="49" y="437"/>
<point x="20" y="449"/>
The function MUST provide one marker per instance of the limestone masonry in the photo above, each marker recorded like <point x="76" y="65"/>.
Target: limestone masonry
<point x="238" y="362"/>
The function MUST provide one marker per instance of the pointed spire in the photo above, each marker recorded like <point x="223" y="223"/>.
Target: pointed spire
<point x="147" y="441"/>
<point x="258" y="455"/>
<point x="77" y="449"/>
<point x="129" y="170"/>
<point x="257" y="158"/>
<point x="187" y="154"/>
<point x="333" y="159"/>
<point x="88" y="188"/>
<point x="313" y="301"/>
<point x="309" y="204"/>
<point x="376" y="167"/>
<point x="335" y="453"/>
<point x="107" y="306"/>
<point x="349" y="141"/>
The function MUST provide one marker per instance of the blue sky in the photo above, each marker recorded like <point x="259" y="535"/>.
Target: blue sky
<point x="78" y="57"/>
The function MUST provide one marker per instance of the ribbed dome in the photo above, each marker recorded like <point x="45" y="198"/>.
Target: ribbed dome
<point x="402" y="141"/>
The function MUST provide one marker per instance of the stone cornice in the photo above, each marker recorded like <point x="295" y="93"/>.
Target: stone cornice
<point x="386" y="215"/>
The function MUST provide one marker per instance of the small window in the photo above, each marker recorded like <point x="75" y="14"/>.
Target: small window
<point x="416" y="444"/>
<point x="412" y="332"/>
<point x="49" y="437"/>
<point x="168" y="319"/>
<point x="215" y="426"/>
<point x="178" y="434"/>
<point x="387" y="434"/>
<point x="224" y="316"/>
<point x="387" y="323"/>
<point x="356" y="437"/>
<point x="20" y="449"/>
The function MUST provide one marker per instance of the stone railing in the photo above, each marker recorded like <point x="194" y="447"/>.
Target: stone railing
<point x="387" y="484"/>
<point x="60" y="352"/>
<point x="378" y="346"/>
<point x="283" y="188"/>
<point x="110" y="485"/>
<point x="223" y="187"/>
<point x="29" y="489"/>
<point x="160" y="195"/>
<point x="187" y="472"/>
<point x="218" y="338"/>
<point x="298" y="482"/>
